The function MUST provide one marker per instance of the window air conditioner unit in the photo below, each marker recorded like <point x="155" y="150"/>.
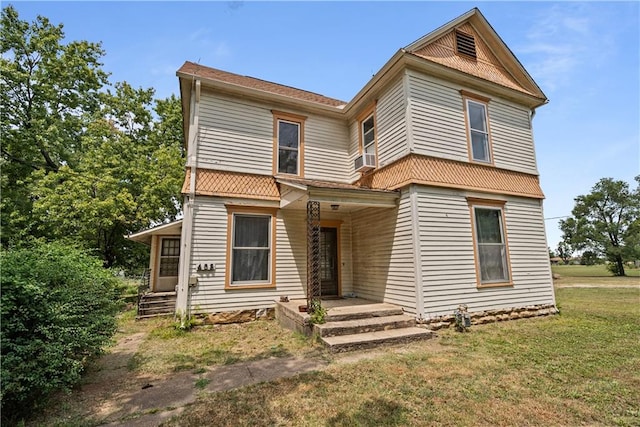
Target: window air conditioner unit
<point x="365" y="162"/>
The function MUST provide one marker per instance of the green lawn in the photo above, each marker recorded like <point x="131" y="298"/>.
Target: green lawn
<point x="581" y="367"/>
<point x="590" y="271"/>
<point x="593" y="275"/>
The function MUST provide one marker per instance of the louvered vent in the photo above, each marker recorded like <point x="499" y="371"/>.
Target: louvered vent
<point x="465" y="44"/>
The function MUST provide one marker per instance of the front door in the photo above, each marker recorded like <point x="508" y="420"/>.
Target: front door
<point x="329" y="261"/>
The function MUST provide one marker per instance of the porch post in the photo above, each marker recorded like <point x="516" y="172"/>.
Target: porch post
<point x="313" y="252"/>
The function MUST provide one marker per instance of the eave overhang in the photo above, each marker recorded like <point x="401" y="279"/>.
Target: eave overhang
<point x="295" y="193"/>
<point x="171" y="229"/>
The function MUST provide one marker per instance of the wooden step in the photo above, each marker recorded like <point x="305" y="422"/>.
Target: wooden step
<point x="370" y="324"/>
<point x="364" y="311"/>
<point x="373" y="339"/>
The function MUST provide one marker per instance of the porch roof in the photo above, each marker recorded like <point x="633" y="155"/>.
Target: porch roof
<point x="295" y="193"/>
<point x="172" y="228"/>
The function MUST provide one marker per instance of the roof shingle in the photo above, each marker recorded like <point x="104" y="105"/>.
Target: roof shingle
<point x="198" y="70"/>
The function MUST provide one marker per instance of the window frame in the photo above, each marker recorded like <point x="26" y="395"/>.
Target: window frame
<point x="232" y="213"/>
<point x="162" y="239"/>
<point x="499" y="205"/>
<point x="280" y="116"/>
<point x="468" y="97"/>
<point x="369" y="113"/>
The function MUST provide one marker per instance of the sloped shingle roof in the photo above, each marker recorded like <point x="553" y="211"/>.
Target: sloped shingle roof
<point x="198" y="70"/>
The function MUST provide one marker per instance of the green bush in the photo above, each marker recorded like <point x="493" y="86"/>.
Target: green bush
<point x="58" y="310"/>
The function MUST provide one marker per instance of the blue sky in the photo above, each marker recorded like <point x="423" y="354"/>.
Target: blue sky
<point x="585" y="57"/>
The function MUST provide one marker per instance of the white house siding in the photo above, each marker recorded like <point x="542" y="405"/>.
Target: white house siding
<point x="237" y="135"/>
<point x="354" y="143"/>
<point x="326" y="145"/>
<point x="209" y="246"/>
<point x="439" y="130"/>
<point x="382" y="255"/>
<point x="448" y="264"/>
<point x="391" y="127"/>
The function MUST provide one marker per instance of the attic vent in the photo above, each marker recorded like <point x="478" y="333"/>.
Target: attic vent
<point x="465" y="44"/>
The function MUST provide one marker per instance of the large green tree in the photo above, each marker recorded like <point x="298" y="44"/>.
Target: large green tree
<point x="127" y="177"/>
<point x="82" y="160"/>
<point x="606" y="221"/>
<point x="46" y="89"/>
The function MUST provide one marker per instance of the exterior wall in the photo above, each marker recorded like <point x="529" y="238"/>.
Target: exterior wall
<point x="153" y="262"/>
<point x="438" y="125"/>
<point x="237" y="135"/>
<point x="210" y="246"/>
<point x="383" y="266"/>
<point x="448" y="263"/>
<point x="391" y="127"/>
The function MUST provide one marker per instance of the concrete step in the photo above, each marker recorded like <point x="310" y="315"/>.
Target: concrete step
<point x="370" y="324"/>
<point x="146" y="303"/>
<point x="151" y="316"/>
<point x="364" y="311"/>
<point x="373" y="339"/>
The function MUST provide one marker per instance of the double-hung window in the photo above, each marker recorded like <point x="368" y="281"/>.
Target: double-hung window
<point x="492" y="255"/>
<point x="250" y="248"/>
<point x="368" y="134"/>
<point x="289" y="144"/>
<point x="478" y="129"/>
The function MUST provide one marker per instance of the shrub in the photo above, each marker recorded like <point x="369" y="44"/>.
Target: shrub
<point x="58" y="310"/>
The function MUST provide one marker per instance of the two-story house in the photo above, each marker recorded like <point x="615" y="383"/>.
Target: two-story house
<point x="422" y="191"/>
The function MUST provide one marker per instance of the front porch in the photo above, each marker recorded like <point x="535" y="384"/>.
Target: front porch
<point x="352" y="323"/>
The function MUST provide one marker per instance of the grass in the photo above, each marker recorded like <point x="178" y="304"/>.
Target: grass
<point x="581" y="367"/>
<point x="168" y="349"/>
<point x="593" y="274"/>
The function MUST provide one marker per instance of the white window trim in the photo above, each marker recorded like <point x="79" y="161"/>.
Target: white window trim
<point x="372" y="130"/>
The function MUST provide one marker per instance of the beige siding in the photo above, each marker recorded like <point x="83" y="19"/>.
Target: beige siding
<point x="438" y="125"/>
<point x="209" y="246"/>
<point x="448" y="264"/>
<point x="326" y="146"/>
<point x="437" y="119"/>
<point x="354" y="150"/>
<point x="237" y="135"/>
<point x="391" y="127"/>
<point x="383" y="267"/>
<point x="511" y="137"/>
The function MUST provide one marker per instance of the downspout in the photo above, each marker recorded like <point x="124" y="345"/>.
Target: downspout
<point x="417" y="255"/>
<point x="182" y="297"/>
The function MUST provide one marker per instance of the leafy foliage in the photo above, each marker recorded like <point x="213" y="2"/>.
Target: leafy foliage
<point x="58" y="310"/>
<point x="81" y="160"/>
<point x="606" y="221"/>
<point x="47" y="87"/>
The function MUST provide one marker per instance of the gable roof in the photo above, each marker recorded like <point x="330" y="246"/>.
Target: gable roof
<point x="495" y="62"/>
<point x="197" y="70"/>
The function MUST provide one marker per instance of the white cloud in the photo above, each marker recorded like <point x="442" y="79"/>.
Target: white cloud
<point x="561" y="39"/>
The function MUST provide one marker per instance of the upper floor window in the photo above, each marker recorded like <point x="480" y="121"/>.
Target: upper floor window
<point x="288" y="144"/>
<point x="368" y="134"/>
<point x="491" y="249"/>
<point x="478" y="129"/>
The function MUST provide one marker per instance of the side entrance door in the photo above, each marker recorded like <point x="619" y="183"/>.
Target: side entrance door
<point x="329" y="261"/>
